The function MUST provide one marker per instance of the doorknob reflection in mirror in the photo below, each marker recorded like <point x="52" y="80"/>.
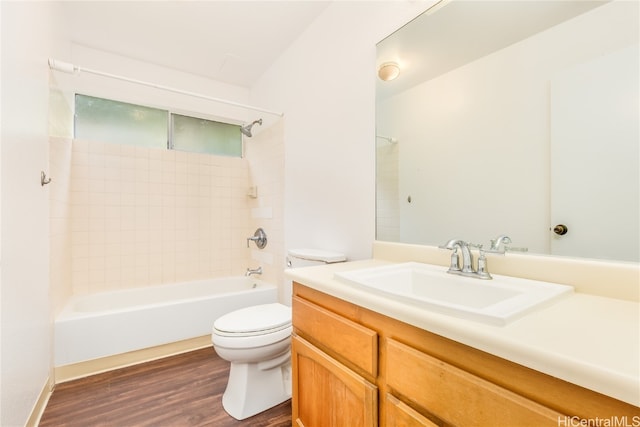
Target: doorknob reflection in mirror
<point x="560" y="229"/>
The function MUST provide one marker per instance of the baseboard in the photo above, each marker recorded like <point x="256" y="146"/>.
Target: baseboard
<point x="40" y="405"/>
<point x="91" y="367"/>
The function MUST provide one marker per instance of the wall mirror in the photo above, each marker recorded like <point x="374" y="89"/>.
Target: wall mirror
<point x="514" y="118"/>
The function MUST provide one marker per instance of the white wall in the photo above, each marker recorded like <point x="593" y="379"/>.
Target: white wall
<point x="29" y="37"/>
<point x="325" y="84"/>
<point x="611" y="171"/>
<point x="107" y="62"/>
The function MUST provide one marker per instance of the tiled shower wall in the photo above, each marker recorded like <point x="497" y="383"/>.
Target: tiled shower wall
<point x="141" y="216"/>
<point x="387" y="192"/>
<point x="265" y="155"/>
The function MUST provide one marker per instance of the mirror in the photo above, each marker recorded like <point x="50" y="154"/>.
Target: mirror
<point x="512" y="118"/>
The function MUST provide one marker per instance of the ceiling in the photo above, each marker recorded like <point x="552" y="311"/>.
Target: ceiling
<point x="433" y="43"/>
<point x="229" y="41"/>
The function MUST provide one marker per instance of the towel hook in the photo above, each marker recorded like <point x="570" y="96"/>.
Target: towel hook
<point x="43" y="179"/>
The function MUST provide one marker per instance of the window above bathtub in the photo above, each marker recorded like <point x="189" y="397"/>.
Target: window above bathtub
<point x="105" y="120"/>
<point x="205" y="136"/>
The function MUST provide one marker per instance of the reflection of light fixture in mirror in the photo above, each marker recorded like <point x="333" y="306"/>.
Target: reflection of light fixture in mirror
<point x="388" y="71"/>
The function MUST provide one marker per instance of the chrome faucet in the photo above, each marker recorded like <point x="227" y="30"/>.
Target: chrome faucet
<point x="253" y="271"/>
<point x="501" y="240"/>
<point x="499" y="245"/>
<point x="467" y="260"/>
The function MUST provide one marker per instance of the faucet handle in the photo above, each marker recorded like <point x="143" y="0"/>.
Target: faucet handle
<point x="260" y="237"/>
<point x="251" y="271"/>
<point x="482" y="272"/>
<point x="515" y="249"/>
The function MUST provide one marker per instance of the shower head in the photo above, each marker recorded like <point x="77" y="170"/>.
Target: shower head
<point x="246" y="129"/>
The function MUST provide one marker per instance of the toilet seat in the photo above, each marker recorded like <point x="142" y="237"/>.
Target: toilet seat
<point x="255" y="320"/>
<point x="239" y="342"/>
<point x="251" y="327"/>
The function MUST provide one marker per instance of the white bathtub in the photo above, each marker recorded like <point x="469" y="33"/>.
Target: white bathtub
<point x="106" y="324"/>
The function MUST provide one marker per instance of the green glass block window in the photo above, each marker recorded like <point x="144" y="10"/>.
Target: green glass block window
<point x="104" y="120"/>
<point x="205" y="136"/>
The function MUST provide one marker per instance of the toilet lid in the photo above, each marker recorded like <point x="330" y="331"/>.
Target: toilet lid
<point x="255" y="319"/>
<point x="318" y="255"/>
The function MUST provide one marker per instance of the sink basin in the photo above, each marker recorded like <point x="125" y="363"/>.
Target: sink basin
<point x="497" y="301"/>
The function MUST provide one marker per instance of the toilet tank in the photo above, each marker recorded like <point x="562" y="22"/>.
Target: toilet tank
<point x="309" y="257"/>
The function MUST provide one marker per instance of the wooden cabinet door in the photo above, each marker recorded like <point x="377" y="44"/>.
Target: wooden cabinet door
<point x="400" y="414"/>
<point x="327" y="394"/>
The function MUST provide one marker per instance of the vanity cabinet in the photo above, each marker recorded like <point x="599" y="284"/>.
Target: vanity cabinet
<point x="356" y="367"/>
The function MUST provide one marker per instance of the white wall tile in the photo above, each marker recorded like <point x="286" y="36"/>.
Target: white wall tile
<point x="140" y="217"/>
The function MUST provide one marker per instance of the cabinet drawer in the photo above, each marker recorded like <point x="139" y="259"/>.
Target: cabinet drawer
<point x="342" y="338"/>
<point x="458" y="397"/>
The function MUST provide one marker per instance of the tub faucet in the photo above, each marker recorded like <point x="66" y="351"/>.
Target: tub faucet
<point x="253" y="271"/>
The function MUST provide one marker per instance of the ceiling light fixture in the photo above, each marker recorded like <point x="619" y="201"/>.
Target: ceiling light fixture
<point x="388" y="71"/>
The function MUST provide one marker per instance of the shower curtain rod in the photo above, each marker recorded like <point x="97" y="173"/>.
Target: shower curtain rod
<point x="66" y="67"/>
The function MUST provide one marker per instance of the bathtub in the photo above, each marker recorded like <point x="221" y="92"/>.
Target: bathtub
<point x="107" y="324"/>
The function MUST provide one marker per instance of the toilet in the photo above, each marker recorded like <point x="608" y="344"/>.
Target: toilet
<point x="309" y="257"/>
<point x="257" y="342"/>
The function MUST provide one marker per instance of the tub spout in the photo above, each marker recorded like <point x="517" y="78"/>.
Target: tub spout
<point x="254" y="271"/>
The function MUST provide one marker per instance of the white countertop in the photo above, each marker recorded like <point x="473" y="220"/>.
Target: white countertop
<point x="588" y="340"/>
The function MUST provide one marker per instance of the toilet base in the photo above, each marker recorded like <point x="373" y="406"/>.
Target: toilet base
<point x="255" y="387"/>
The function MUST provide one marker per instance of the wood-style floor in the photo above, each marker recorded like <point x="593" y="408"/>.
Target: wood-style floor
<point x="183" y="390"/>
